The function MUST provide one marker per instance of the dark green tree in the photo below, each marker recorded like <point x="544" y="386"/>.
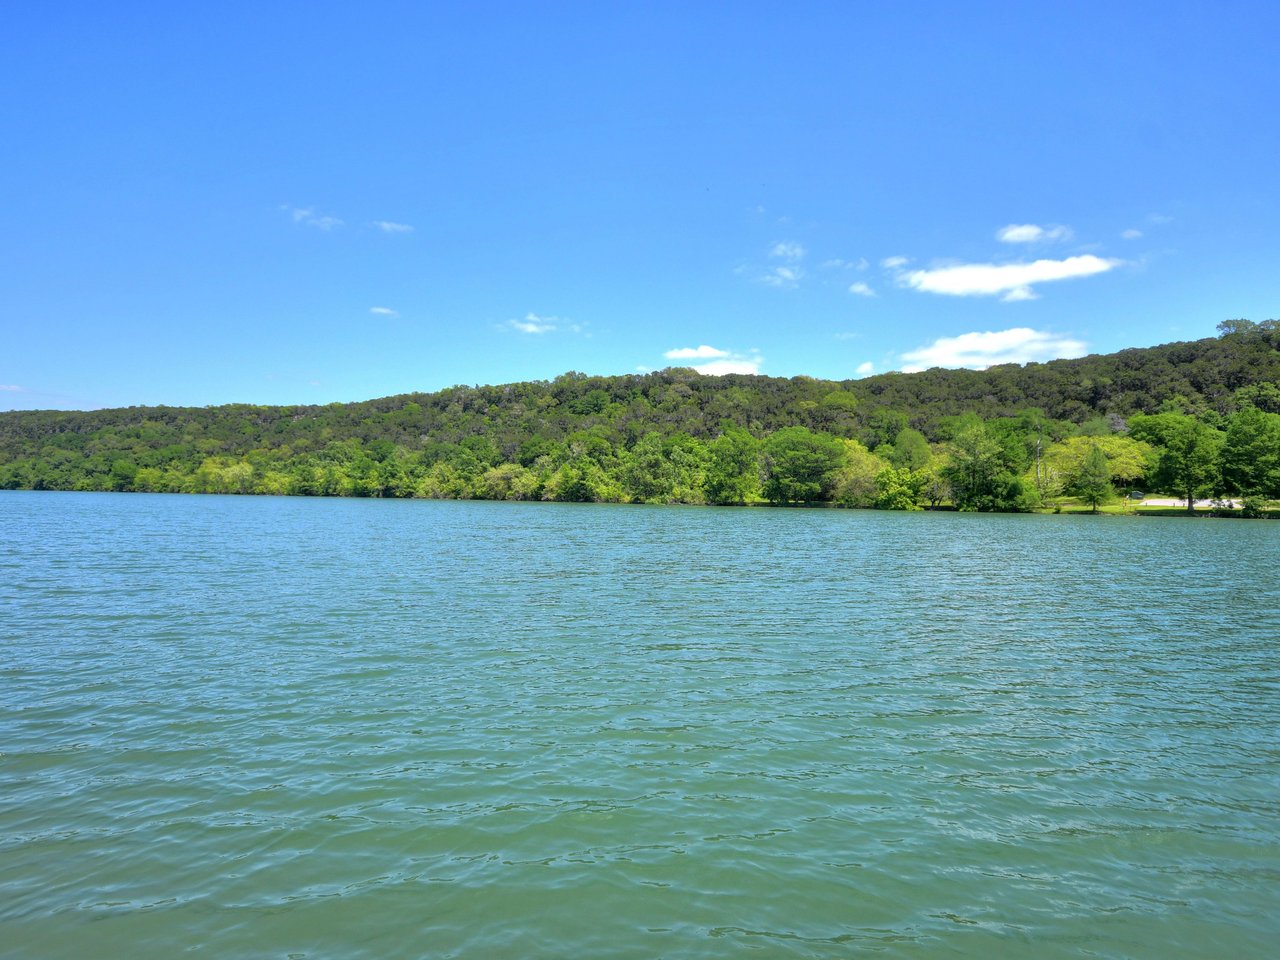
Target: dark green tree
<point x="1188" y="462"/>
<point x="799" y="466"/>
<point x="733" y="472"/>
<point x="981" y="476"/>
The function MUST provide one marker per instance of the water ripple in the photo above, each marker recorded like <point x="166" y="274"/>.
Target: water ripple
<point x="261" y="727"/>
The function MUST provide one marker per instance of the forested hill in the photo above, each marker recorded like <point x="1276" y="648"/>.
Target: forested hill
<point x="1200" y="374"/>
<point x="542" y="426"/>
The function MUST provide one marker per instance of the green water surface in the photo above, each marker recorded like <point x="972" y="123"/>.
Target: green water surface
<point x="263" y="727"/>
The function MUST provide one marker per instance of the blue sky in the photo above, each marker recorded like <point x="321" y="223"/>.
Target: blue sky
<point x="316" y="202"/>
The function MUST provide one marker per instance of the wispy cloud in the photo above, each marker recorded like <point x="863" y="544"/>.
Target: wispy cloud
<point x="532" y="323"/>
<point x="977" y="351"/>
<point x="893" y="263"/>
<point x="390" y="226"/>
<point x="720" y="361"/>
<point x="838" y="264"/>
<point x="12" y="388"/>
<point x="1013" y="280"/>
<point x="383" y="312"/>
<point x="782" y="277"/>
<point x="788" y="250"/>
<point x="1032" y="233"/>
<point x="703" y="352"/>
<point x="786" y="274"/>
<point x="1131" y="234"/>
<point x="862" y="289"/>
<point x="307" y="217"/>
<point x="865" y="369"/>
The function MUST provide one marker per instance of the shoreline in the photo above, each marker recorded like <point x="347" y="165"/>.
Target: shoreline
<point x="1150" y="507"/>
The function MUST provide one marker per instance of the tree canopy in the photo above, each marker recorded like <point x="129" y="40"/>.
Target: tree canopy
<point x="1187" y="418"/>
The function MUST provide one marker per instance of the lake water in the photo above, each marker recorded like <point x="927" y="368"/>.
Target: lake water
<point x="265" y="727"/>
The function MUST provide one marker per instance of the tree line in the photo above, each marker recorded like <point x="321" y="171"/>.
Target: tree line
<point x="675" y="436"/>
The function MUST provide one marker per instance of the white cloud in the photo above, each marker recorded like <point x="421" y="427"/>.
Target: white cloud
<point x="845" y="335"/>
<point x="1131" y="234"/>
<point x="720" y="361"/>
<point x="1160" y="218"/>
<point x="1014" y="280"/>
<point x="11" y="388"/>
<point x="893" y="263"/>
<point x="307" y="217"/>
<point x="977" y="351"/>
<point x="1020" y="293"/>
<point x="1031" y="233"/>
<point x="783" y="276"/>
<point x="865" y="368"/>
<point x="703" y="352"/>
<point x="862" y="289"/>
<point x="532" y="323"/>
<point x="718" y="368"/>
<point x="390" y="226"/>
<point x="383" y="312"/>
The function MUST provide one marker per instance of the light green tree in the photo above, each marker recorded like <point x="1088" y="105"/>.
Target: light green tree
<point x="854" y="483"/>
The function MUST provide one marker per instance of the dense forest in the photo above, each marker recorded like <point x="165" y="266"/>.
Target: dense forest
<point x="1188" y="419"/>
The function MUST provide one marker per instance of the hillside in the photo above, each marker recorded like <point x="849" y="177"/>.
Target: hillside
<point x="546" y="424"/>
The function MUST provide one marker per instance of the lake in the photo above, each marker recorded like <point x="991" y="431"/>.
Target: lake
<point x="269" y="727"/>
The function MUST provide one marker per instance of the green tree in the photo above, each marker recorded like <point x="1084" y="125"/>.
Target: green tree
<point x="1250" y="456"/>
<point x="1128" y="460"/>
<point x="582" y="481"/>
<point x="799" y="465"/>
<point x="854" y="483"/>
<point x="670" y="470"/>
<point x="645" y="471"/>
<point x="898" y="488"/>
<point x="733" y="467"/>
<point x="980" y="475"/>
<point x="1188" y="462"/>
<point x="910" y="450"/>
<point x="882" y="426"/>
<point x="1264" y="396"/>
<point x="1092" y="483"/>
<point x="508" y="481"/>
